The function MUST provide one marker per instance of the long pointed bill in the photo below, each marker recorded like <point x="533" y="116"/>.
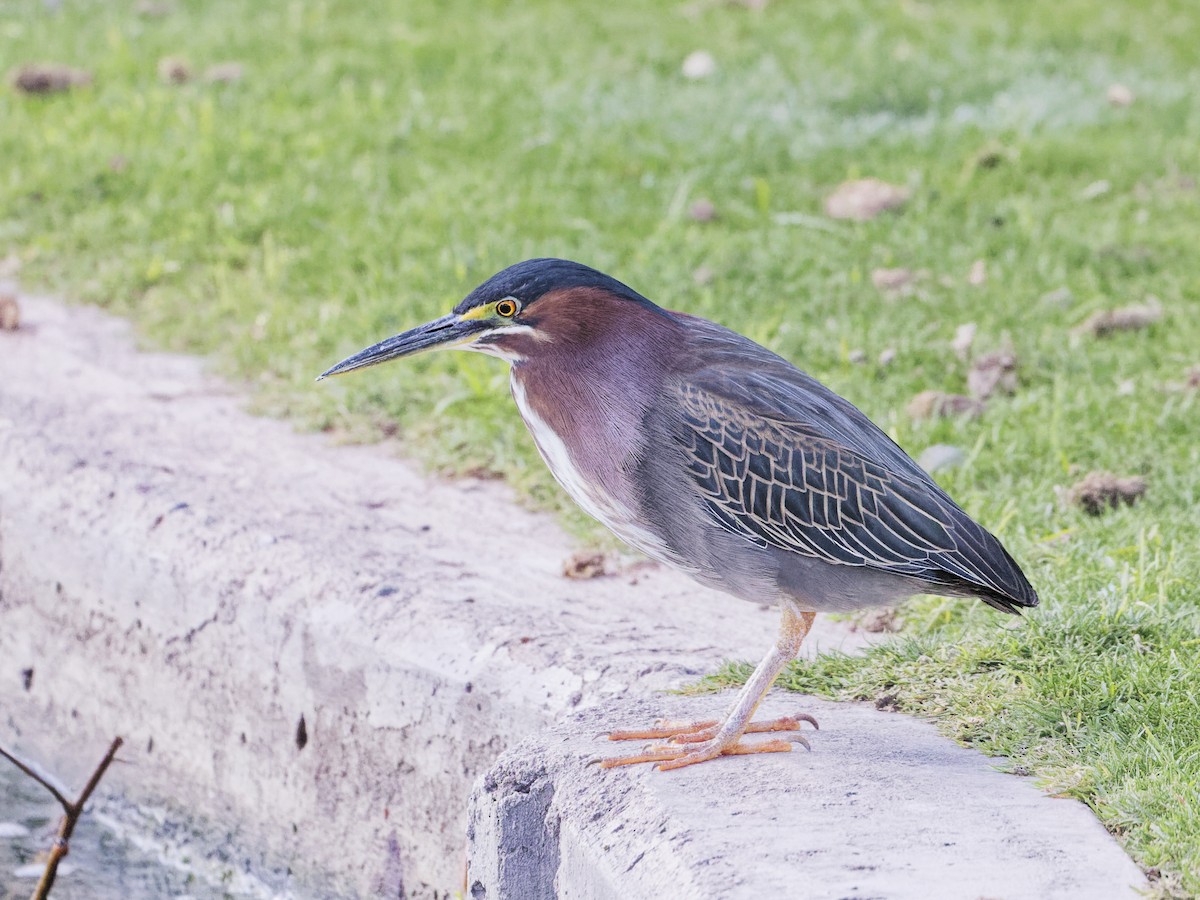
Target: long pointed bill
<point x="444" y="332"/>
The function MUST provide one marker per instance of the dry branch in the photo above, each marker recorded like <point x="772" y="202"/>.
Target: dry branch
<point x="71" y="810"/>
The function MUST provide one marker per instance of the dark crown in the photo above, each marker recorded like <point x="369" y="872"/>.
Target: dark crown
<point x="532" y="278"/>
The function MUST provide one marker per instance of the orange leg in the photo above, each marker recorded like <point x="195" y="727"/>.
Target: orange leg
<point x="700" y="741"/>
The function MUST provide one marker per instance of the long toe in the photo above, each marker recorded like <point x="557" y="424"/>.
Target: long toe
<point x="783" y="723"/>
<point x="668" y="728"/>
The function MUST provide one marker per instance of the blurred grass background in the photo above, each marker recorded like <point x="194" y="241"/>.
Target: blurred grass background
<point x="376" y="160"/>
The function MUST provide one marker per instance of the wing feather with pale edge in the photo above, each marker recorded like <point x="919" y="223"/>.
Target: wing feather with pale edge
<point x="783" y="484"/>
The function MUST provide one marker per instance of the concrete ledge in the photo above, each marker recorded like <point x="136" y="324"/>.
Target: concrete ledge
<point x="882" y="807"/>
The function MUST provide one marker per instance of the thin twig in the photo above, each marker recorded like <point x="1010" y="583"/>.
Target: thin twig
<point x="95" y="779"/>
<point x="71" y="812"/>
<point x="32" y="772"/>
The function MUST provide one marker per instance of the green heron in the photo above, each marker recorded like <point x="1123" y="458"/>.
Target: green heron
<point x="717" y="457"/>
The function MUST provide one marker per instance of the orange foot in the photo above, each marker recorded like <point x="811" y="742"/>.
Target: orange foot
<point x="693" y="742"/>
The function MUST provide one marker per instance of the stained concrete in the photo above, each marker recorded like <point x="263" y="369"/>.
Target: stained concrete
<point x="882" y="807"/>
<point x="312" y="650"/>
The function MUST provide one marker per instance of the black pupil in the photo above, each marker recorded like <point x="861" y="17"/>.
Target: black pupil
<point x="507" y="308"/>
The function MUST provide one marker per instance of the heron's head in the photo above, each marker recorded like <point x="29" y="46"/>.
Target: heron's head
<point x="518" y="313"/>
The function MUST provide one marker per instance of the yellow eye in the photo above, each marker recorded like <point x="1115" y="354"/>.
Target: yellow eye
<point x="506" y="308"/>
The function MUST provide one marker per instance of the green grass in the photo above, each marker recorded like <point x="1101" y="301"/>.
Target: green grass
<point x="378" y="160"/>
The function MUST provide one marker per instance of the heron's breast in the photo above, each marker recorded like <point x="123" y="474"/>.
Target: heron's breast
<point x="591" y="475"/>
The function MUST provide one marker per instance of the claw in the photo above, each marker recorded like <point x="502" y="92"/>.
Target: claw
<point x="800" y="739"/>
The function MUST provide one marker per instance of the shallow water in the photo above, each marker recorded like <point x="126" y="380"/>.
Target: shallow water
<point x="102" y="865"/>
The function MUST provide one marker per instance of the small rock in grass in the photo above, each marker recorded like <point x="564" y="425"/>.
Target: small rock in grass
<point x="937" y="457"/>
<point x="993" y="372"/>
<point x="864" y="199"/>
<point x="48" y="78"/>
<point x="699" y="64"/>
<point x="893" y="281"/>
<point x="889" y="702"/>
<point x="224" y="73"/>
<point x="702" y="211"/>
<point x="174" y="70"/>
<point x="10" y="313"/>
<point x="978" y="273"/>
<point x="928" y="404"/>
<point x="1191" y="381"/>
<point x="703" y="275"/>
<point x="1060" y="296"/>
<point x="857" y="356"/>
<point x="887" y="356"/>
<point x="877" y="621"/>
<point x="1096" y="189"/>
<point x="585" y="565"/>
<point x="1126" y="318"/>
<point x="1120" y="95"/>
<point x="1100" y="491"/>
<point x="964" y="339"/>
<point x="990" y="156"/>
<point x="153" y="10"/>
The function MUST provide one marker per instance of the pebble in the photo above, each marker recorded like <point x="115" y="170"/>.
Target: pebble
<point x="941" y="456"/>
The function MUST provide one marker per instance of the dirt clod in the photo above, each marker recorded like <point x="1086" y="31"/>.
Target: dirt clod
<point x="48" y="78"/>
<point x="993" y="372"/>
<point x="1100" y="491"/>
<point x="174" y="70"/>
<point x="929" y="404"/>
<point x="153" y="10"/>
<point x="1125" y="318"/>
<point x="583" y="565"/>
<point x="893" y="281"/>
<point x="10" y="313"/>
<point x="864" y="199"/>
<point x="1120" y="95"/>
<point x="702" y="211"/>
<point x="877" y="621"/>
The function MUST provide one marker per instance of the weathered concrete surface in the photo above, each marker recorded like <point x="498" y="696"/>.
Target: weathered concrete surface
<point x="202" y="582"/>
<point x="883" y="807"/>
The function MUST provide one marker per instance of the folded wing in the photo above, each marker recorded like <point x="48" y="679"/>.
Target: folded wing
<point x="809" y="487"/>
